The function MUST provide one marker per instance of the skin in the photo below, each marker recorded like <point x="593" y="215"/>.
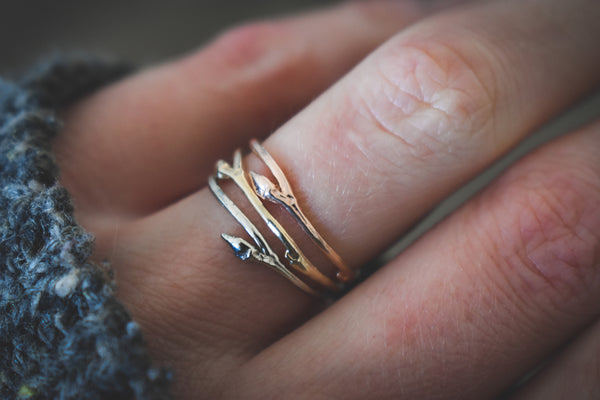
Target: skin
<point x="373" y="126"/>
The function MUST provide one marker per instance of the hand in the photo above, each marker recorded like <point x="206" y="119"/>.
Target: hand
<point x="465" y="312"/>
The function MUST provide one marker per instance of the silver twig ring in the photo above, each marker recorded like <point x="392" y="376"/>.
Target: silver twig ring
<point x="258" y="188"/>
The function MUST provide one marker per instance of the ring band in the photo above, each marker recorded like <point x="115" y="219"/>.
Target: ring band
<point x="258" y="188"/>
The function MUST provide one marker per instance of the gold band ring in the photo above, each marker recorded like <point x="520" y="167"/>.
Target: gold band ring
<point x="258" y="188"/>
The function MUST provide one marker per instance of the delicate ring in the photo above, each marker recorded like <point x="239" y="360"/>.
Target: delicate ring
<point x="258" y="188"/>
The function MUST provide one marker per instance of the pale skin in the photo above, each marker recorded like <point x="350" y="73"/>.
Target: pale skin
<point x="376" y="112"/>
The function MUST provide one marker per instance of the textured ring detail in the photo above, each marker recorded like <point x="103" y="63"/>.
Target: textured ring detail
<point x="258" y="188"/>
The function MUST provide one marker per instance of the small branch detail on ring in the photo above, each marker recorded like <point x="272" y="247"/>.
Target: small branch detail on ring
<point x="256" y="187"/>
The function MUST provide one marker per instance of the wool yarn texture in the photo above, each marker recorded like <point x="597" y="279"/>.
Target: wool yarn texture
<point x="63" y="334"/>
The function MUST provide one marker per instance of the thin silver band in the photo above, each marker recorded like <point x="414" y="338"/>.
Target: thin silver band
<point x="255" y="187"/>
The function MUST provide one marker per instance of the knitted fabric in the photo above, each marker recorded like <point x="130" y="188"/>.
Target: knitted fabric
<point x="63" y="335"/>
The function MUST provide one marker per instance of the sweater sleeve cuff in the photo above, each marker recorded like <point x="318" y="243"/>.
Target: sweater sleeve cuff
<point x="63" y="334"/>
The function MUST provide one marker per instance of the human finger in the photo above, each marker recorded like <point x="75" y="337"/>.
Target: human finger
<point x="428" y="110"/>
<point x="144" y="142"/>
<point x="362" y="180"/>
<point x="350" y="141"/>
<point x="471" y="307"/>
<point x="574" y="372"/>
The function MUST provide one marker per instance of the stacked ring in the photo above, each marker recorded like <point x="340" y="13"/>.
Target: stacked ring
<point x="257" y="189"/>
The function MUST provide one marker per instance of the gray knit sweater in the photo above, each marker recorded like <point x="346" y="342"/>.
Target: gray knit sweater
<point x="63" y="335"/>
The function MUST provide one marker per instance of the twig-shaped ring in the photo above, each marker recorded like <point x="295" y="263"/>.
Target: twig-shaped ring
<point x="256" y="188"/>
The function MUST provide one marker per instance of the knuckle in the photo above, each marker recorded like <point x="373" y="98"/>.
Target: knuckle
<point x="548" y="237"/>
<point x="247" y="43"/>
<point x="256" y="51"/>
<point x="433" y="96"/>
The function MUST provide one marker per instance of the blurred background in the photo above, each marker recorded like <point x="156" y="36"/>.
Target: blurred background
<point x="138" y="31"/>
